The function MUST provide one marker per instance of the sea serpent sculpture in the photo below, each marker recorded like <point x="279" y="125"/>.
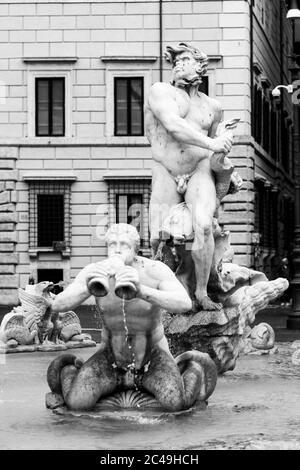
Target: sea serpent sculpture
<point x="32" y="326"/>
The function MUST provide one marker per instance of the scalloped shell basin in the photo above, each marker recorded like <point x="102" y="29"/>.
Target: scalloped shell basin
<point x="129" y="405"/>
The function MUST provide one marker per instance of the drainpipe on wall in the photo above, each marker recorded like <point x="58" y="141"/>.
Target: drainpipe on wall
<point x="160" y="41"/>
<point x="251" y="65"/>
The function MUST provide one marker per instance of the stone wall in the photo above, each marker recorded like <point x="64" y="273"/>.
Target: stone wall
<point x="8" y="236"/>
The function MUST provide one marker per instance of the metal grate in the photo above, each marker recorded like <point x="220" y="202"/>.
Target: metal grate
<point x="49" y="213"/>
<point x="129" y="203"/>
<point x="50" y="218"/>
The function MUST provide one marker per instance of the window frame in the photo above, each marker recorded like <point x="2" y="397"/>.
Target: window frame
<point x="113" y="71"/>
<point x="50" y="106"/>
<point x="49" y="72"/>
<point x="49" y="187"/>
<point x="128" y="98"/>
<point x="141" y="186"/>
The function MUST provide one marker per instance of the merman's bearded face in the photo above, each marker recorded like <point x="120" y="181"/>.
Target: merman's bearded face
<point x="185" y="70"/>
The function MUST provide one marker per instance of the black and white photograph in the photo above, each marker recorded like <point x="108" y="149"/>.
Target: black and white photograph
<point x="149" y="228"/>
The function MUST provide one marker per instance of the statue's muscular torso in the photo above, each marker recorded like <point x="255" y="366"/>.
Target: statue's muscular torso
<point x="179" y="158"/>
<point x="143" y="321"/>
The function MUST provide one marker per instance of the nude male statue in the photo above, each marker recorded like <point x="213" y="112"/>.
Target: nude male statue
<point x="181" y="124"/>
<point x="134" y="352"/>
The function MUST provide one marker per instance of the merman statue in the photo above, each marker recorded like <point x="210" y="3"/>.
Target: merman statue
<point x="130" y="292"/>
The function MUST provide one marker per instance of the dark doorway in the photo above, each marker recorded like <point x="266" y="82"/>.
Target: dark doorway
<point x="52" y="275"/>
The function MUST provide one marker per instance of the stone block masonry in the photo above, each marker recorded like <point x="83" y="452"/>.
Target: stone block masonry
<point x="8" y="233"/>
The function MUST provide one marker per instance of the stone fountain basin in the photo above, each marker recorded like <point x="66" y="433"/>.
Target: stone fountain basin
<point x="256" y="406"/>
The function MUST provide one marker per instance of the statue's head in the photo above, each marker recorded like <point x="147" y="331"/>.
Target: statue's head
<point x="124" y="240"/>
<point x="189" y="64"/>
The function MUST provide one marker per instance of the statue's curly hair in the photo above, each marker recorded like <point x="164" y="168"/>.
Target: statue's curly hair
<point x="200" y="57"/>
<point x="119" y="229"/>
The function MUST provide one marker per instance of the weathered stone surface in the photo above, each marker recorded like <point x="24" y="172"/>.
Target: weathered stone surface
<point x="7" y="269"/>
<point x="9" y="152"/>
<point x="205" y="332"/>
<point x="7" y="247"/>
<point x="7" y="208"/>
<point x="10" y="175"/>
<point x="54" y="400"/>
<point x="7" y="164"/>
<point x="8" y="296"/>
<point x="51" y="347"/>
<point x="21" y="349"/>
<point x="221" y="333"/>
<point x="80" y="344"/>
<point x="10" y="185"/>
<point x="7" y="227"/>
<point x="9" y="258"/>
<point x="7" y="280"/>
<point x="2" y="186"/>
<point x="8" y="237"/>
<point x="4" y="197"/>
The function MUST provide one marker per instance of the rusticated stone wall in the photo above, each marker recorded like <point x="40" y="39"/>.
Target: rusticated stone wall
<point x="8" y="235"/>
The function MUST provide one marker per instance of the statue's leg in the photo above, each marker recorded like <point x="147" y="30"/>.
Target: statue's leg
<point x="185" y="272"/>
<point x="174" y="391"/>
<point x="163" y="197"/>
<point x="201" y="200"/>
<point x="82" y="388"/>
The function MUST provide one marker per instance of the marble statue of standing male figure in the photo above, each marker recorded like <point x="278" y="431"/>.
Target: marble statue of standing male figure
<point x="181" y="126"/>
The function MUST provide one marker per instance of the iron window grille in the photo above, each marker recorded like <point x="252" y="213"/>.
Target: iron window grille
<point x="49" y="214"/>
<point x="50" y="106"/>
<point x="129" y="203"/>
<point x="128" y="106"/>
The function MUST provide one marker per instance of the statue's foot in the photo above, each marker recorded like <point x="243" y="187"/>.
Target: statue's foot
<point x="205" y="303"/>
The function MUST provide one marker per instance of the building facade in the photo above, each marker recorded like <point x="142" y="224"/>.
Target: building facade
<point x="74" y="77"/>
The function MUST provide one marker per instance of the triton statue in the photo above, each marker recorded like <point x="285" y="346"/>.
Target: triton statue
<point x="130" y="292"/>
<point x="189" y="147"/>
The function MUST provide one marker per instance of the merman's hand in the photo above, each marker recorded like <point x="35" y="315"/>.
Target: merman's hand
<point x="128" y="274"/>
<point x="96" y="270"/>
<point x="223" y="144"/>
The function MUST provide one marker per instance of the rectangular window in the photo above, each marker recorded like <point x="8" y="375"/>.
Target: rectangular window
<point x="50" y="106"/>
<point x="274" y="136"/>
<point x="49" y="215"/>
<point x="129" y="104"/>
<point x="129" y="209"/>
<point x="50" y="218"/>
<point x="260" y="206"/>
<point x="285" y="143"/>
<point x="266" y="125"/>
<point x="129" y="204"/>
<point x="257" y="125"/>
